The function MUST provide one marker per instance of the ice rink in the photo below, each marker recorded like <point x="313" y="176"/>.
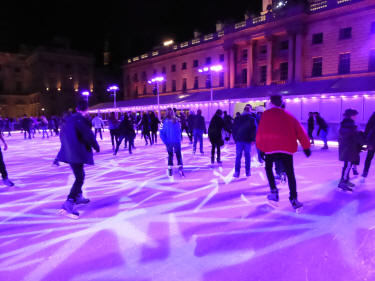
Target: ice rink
<point x="142" y="225"/>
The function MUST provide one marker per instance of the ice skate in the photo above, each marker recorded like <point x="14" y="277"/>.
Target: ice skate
<point x="169" y="172"/>
<point x="219" y="161"/>
<point x="296" y="205"/>
<point x="81" y="200"/>
<point x="8" y="182"/>
<point x="343" y="186"/>
<point x="273" y="198"/>
<point x="355" y="172"/>
<point x="67" y="209"/>
<point x="236" y="175"/>
<point x="55" y="163"/>
<point x="181" y="171"/>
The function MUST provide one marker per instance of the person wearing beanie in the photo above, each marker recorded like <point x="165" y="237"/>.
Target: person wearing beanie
<point x="277" y="137"/>
<point x="77" y="141"/>
<point x="350" y="141"/>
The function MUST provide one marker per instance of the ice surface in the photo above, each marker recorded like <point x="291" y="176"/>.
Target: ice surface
<point x="142" y="225"/>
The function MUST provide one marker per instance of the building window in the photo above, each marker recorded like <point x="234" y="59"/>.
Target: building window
<point x="221" y="58"/>
<point x="244" y="55"/>
<point x="173" y="85"/>
<point x="164" y="87"/>
<point x="196" y="82"/>
<point x="135" y="77"/>
<point x="284" y="45"/>
<point x="184" y="84"/>
<point x="184" y="66"/>
<point x="244" y="76"/>
<point x="371" y="61"/>
<point x="263" y="49"/>
<point x="221" y="79"/>
<point x="344" y="63"/>
<point x="317" y="69"/>
<point x="317" y="38"/>
<point x="163" y="70"/>
<point x="173" y="68"/>
<point x="372" y="27"/>
<point x="195" y="63"/>
<point x="208" y="60"/>
<point x="208" y="81"/>
<point x="345" y="33"/>
<point x="263" y="74"/>
<point x="284" y="71"/>
<point x="144" y="76"/>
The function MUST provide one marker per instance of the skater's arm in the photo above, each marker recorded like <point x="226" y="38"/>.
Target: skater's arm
<point x="87" y="135"/>
<point x="302" y="135"/>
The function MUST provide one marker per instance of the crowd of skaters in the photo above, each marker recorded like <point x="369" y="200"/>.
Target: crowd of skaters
<point x="273" y="134"/>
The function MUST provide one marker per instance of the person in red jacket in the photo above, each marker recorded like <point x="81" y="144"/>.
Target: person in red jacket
<point x="276" y="138"/>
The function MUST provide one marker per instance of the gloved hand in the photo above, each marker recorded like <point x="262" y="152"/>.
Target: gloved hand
<point x="263" y="155"/>
<point x="307" y="152"/>
<point x="97" y="149"/>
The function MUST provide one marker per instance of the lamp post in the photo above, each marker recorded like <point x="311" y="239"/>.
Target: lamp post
<point x="210" y="69"/>
<point x="113" y="89"/>
<point x="156" y="80"/>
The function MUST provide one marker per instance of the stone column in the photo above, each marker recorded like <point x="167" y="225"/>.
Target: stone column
<point x="269" y="59"/>
<point x="250" y="66"/>
<point x="298" y="62"/>
<point x="232" y="69"/>
<point x="226" y="68"/>
<point x="291" y="57"/>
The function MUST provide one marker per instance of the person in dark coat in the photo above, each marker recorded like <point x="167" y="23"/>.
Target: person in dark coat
<point x="310" y="127"/>
<point x="199" y="128"/>
<point x="125" y="131"/>
<point x="184" y="126"/>
<point x="190" y="121"/>
<point x="154" y="127"/>
<point x="215" y="135"/>
<point x="370" y="141"/>
<point x="112" y="126"/>
<point x="244" y="132"/>
<point x="26" y="126"/>
<point x="145" y="123"/>
<point x="349" y="141"/>
<point x="228" y="124"/>
<point x="77" y="141"/>
<point x="322" y="130"/>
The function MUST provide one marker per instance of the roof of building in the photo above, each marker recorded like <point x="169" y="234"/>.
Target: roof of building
<point x="329" y="86"/>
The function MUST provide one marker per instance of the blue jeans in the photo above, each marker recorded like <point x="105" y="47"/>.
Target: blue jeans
<point x="323" y="134"/>
<point x="198" y="136"/>
<point x="246" y="148"/>
<point x="176" y="147"/>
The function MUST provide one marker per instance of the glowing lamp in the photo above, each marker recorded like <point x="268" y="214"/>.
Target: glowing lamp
<point x="168" y="43"/>
<point x="85" y="93"/>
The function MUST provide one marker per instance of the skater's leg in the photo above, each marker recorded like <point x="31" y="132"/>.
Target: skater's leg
<point x="131" y="144"/>
<point x="118" y="143"/>
<point x="3" y="171"/>
<point x="200" y="138"/>
<point x="213" y="152"/>
<point x="177" y="150"/>
<point x="100" y="133"/>
<point x="170" y="155"/>
<point x="79" y="174"/>
<point x="369" y="157"/>
<point x="239" y="148"/>
<point x="287" y="162"/>
<point x="218" y="153"/>
<point x="96" y="132"/>
<point x="247" y="151"/>
<point x="269" y="172"/>
<point x="195" y="140"/>
<point x="112" y="133"/>
<point x="345" y="171"/>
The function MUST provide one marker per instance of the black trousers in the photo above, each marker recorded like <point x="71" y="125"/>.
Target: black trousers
<point x="27" y="131"/>
<point x="346" y="170"/>
<point x="154" y="136"/>
<point x="370" y="155"/>
<point x="287" y="162"/>
<point x="310" y="133"/>
<point x="112" y="132"/>
<point x="127" y="139"/>
<point x="100" y="132"/>
<point x="79" y="174"/>
<point x="217" y="147"/>
<point x="3" y="170"/>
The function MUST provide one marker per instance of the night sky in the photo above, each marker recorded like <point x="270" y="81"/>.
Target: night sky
<point x="132" y="27"/>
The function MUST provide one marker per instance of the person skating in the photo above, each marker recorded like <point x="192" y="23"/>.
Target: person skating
<point x="310" y="127"/>
<point x="125" y="131"/>
<point x="244" y="131"/>
<point x="322" y="130"/>
<point x="146" y="127"/>
<point x="190" y="121"/>
<point x="44" y="126"/>
<point x="349" y="141"/>
<point x="370" y="141"/>
<point x="215" y="135"/>
<point x="3" y="170"/>
<point x="184" y="126"/>
<point x="112" y="127"/>
<point x="277" y="137"/>
<point x="98" y="125"/>
<point x="170" y="134"/>
<point x="199" y="128"/>
<point x="77" y="141"/>
<point x="26" y="126"/>
<point x="154" y="127"/>
<point x="228" y="126"/>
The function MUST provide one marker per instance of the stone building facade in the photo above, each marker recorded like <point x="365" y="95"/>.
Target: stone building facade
<point x="296" y="43"/>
